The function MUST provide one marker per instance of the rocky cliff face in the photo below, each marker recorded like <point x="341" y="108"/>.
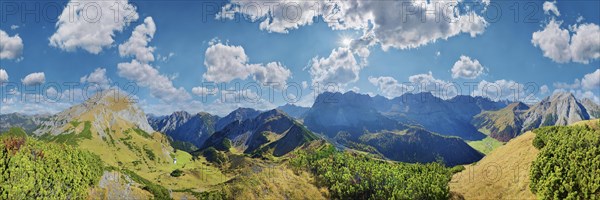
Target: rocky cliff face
<point x="559" y="109"/>
<point x="592" y="108"/>
<point x="104" y="110"/>
<point x="349" y="112"/>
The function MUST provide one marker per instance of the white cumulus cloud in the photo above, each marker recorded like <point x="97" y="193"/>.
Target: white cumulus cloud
<point x="145" y="75"/>
<point x="390" y="87"/>
<point x="550" y="7"/>
<point x="140" y="71"/>
<point x="3" y="76"/>
<point x="392" y="28"/>
<point x="340" y="67"/>
<point x="225" y="63"/>
<point x="581" y="44"/>
<point x="562" y="85"/>
<point x="544" y="89"/>
<point x="97" y="78"/>
<point x="503" y="90"/>
<point x="466" y="68"/>
<point x="36" y="78"/>
<point x="11" y="47"/>
<point x="91" y="25"/>
<point x="203" y="91"/>
<point x="137" y="45"/>
<point x="585" y="43"/>
<point x="554" y="42"/>
<point x="591" y="81"/>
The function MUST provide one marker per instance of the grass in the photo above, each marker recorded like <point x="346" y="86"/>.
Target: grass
<point x="15" y="131"/>
<point x="485" y="145"/>
<point x="271" y="182"/>
<point x="142" y="133"/>
<point x="125" y="146"/>
<point x="149" y="156"/>
<point x="72" y="138"/>
<point x="502" y="174"/>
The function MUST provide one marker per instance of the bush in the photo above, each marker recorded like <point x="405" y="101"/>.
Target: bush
<point x="177" y="173"/>
<point x="158" y="191"/>
<point x="355" y="176"/>
<point x="224" y="145"/>
<point x="212" y="155"/>
<point x="149" y="153"/>
<point x="457" y="168"/>
<point x="568" y="165"/>
<point x="31" y="169"/>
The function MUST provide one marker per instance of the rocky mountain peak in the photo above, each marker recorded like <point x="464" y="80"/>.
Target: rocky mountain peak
<point x="560" y="96"/>
<point x="104" y="110"/>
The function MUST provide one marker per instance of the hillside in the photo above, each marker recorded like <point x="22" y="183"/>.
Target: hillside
<point x="415" y="145"/>
<point x="505" y="173"/>
<point x="351" y="175"/>
<point x="502" y="174"/>
<point x="115" y="128"/>
<point x="32" y="168"/>
<point x="503" y="124"/>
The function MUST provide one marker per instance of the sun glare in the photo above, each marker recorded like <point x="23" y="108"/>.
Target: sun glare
<point x="345" y="41"/>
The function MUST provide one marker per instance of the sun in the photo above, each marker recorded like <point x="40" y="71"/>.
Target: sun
<point x="345" y="41"/>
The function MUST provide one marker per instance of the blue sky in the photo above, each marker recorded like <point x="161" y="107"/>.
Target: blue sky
<point x="503" y="51"/>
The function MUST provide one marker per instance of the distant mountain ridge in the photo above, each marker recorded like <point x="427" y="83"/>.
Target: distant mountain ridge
<point x="27" y="122"/>
<point x="562" y="108"/>
<point x="294" y="111"/>
<point x="271" y="131"/>
<point x="350" y="112"/>
<point x="448" y="117"/>
<point x="352" y="120"/>
<point x="183" y="126"/>
<point x="240" y="114"/>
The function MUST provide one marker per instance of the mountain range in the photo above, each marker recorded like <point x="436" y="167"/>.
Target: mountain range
<point x="413" y="128"/>
<point x="195" y="129"/>
<point x="448" y="117"/>
<point x="358" y="121"/>
<point x="271" y="131"/>
<point x="352" y="120"/>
